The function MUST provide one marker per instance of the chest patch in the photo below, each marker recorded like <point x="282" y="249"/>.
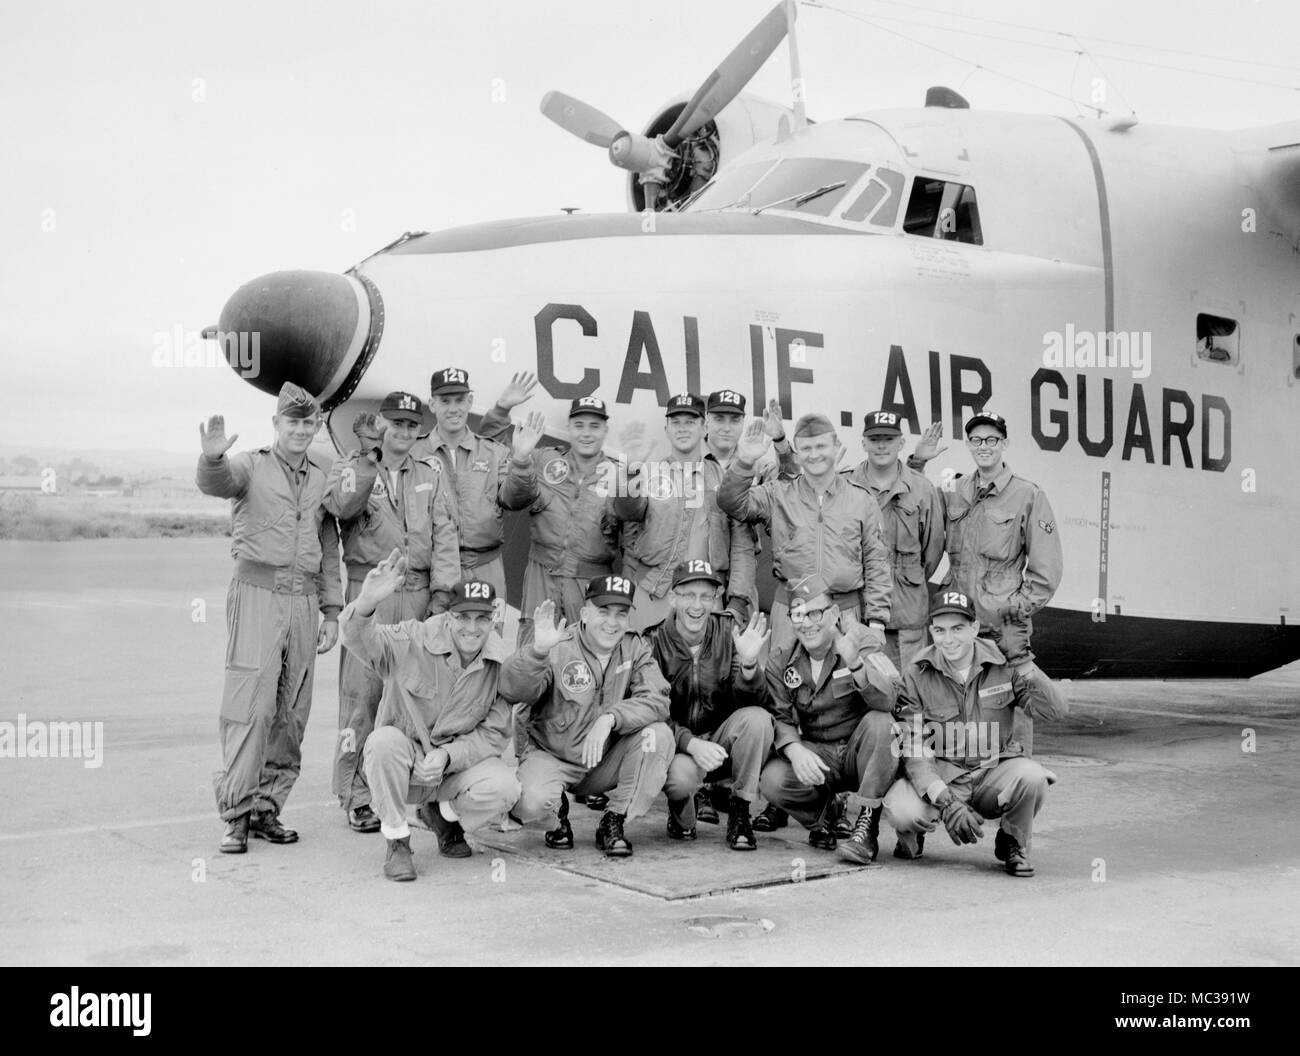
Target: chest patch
<point x="576" y="676"/>
<point x="479" y="466"/>
<point x="792" y="678"/>
<point x="379" y="491"/>
<point x="423" y="487"/>
<point x="556" y="471"/>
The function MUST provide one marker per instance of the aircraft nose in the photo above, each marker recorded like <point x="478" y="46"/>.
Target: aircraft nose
<point x="308" y="327"/>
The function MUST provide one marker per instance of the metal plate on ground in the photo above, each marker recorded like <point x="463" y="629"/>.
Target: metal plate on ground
<point x="673" y="869"/>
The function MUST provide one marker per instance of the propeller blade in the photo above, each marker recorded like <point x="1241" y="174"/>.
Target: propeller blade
<point x="734" y="72"/>
<point x="583" y="120"/>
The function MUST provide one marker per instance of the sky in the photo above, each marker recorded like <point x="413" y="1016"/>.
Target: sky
<point x="157" y="155"/>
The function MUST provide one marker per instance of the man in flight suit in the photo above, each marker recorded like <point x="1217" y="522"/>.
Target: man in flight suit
<point x="385" y="500"/>
<point x="959" y="748"/>
<point x="676" y="503"/>
<point x="597" y="716"/>
<point x="285" y="546"/>
<point x="441" y="725"/>
<point x="911" y="513"/>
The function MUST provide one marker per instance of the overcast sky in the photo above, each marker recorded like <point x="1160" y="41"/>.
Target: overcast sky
<point x="159" y="154"/>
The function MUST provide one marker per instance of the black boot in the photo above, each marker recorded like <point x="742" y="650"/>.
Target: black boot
<point x="822" y="834"/>
<point x="561" y="837"/>
<point x="266" y="826"/>
<point x="705" y="813"/>
<point x="235" y="840"/>
<point x="770" y="819"/>
<point x="740" y="831"/>
<point x="1007" y="849"/>
<point x="610" y="838"/>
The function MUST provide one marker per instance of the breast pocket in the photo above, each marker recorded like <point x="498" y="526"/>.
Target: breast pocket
<point x="1000" y="535"/>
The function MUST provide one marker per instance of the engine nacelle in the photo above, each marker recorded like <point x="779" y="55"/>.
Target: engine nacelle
<point x="746" y="120"/>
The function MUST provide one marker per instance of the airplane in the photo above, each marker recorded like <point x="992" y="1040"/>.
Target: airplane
<point x="1126" y="295"/>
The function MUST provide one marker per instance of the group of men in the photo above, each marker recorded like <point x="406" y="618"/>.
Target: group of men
<point x="643" y="664"/>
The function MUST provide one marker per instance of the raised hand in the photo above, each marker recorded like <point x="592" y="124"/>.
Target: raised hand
<point x="213" y="438"/>
<point x="754" y="443"/>
<point x="848" y="637"/>
<point x="751" y="642"/>
<point x="635" y="443"/>
<point x="520" y="389"/>
<point x="928" y="446"/>
<point x="527" y="434"/>
<point x="773" y="422"/>
<point x="383" y="580"/>
<point x="546" y="632"/>
<point x="369" y="430"/>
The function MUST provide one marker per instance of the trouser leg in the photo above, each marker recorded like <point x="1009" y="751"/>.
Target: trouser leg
<point x="540" y="585"/>
<point x="542" y="779"/>
<point x="870" y="764"/>
<point x="906" y="811"/>
<point x="283" y="759"/>
<point x="389" y="757"/>
<point x="685" y="777"/>
<point x="1013" y="791"/>
<point x="804" y="803"/>
<point x="257" y="624"/>
<point x="747" y="735"/>
<point x="633" y="770"/>
<point x="479" y="794"/>
<point x="903" y="644"/>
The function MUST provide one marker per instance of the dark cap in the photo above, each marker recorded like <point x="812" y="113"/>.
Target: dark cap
<point x="295" y="402"/>
<point x="610" y="590"/>
<point x="988" y="418"/>
<point x="813" y="425"/>
<point x="882" y="423"/>
<point x="402" y="407"/>
<point x="473" y="595"/>
<point x="952" y="601"/>
<point x="697" y="569"/>
<point x="685" y="403"/>
<point x="449" y="381"/>
<point x="588" y="405"/>
<point x="726" y="401"/>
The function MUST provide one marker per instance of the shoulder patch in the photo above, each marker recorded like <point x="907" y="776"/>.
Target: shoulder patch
<point x="1048" y="526"/>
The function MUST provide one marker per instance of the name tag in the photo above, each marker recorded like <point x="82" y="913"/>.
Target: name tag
<point x="842" y="683"/>
<point x="622" y="667"/>
<point x="991" y="691"/>
<point x="424" y="487"/>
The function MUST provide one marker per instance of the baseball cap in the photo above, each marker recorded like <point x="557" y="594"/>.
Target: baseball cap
<point x="402" y="406"/>
<point x="726" y="401"/>
<point x="882" y="423"/>
<point x="685" y="403"/>
<point x="610" y="590"/>
<point x="588" y="405"/>
<point x="691" y="571"/>
<point x="813" y="425"/>
<point x="448" y="382"/>
<point x="988" y="418"/>
<point x="955" y="602"/>
<point x="473" y="595"/>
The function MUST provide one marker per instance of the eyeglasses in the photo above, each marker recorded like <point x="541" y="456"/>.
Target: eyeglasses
<point x="984" y="441"/>
<point x="800" y="615"/>
<point x="697" y="597"/>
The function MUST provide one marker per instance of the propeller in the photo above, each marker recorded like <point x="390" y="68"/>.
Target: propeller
<point x="650" y="158"/>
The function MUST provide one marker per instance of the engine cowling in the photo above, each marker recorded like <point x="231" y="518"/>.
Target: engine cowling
<point x="746" y="120"/>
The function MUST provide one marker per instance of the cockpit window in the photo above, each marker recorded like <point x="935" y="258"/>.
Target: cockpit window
<point x="730" y="188"/>
<point x="879" y="200"/>
<point x="796" y="176"/>
<point x="940" y="209"/>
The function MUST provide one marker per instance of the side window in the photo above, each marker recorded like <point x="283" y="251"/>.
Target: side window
<point x="1218" y="339"/>
<point x="879" y="200"/>
<point x="941" y="209"/>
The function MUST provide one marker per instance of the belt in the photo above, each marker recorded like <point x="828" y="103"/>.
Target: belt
<point x="416" y="578"/>
<point x="273" y="577"/>
<point x="472" y="558"/>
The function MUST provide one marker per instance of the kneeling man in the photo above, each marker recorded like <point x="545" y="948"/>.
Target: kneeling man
<point x="441" y="726"/>
<point x="958" y="744"/>
<point x="832" y="694"/>
<point x="716" y="689"/>
<point x="597" y="720"/>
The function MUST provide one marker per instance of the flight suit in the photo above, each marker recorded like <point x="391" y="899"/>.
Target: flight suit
<point x="474" y="471"/>
<point x="835" y="535"/>
<point x="285" y="546"/>
<point x="848" y="727"/>
<point x="912" y="525"/>
<point x="459" y="709"/>
<point x="963" y="736"/>
<point x="678" y="510"/>
<point x="375" y="519"/>
<point x="1004" y="552"/>
<point x="566" y="692"/>
<point x="574" y="536"/>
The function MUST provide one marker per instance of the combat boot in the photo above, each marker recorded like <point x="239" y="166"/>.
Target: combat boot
<point x="560" y="838"/>
<point x="1007" y="849"/>
<point x="610" y="838"/>
<point x="740" y="831"/>
<point x="266" y="826"/>
<point x="235" y="840"/>
<point x="863" y="843"/>
<point x="399" y="865"/>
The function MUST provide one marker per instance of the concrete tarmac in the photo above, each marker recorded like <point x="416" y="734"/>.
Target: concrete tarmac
<point x="1170" y="838"/>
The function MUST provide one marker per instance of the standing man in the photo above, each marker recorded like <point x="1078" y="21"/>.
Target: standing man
<point x="820" y="524"/>
<point x="676" y="503"/>
<point x="911" y="514"/>
<point x="286" y="550"/>
<point x="724" y="421"/>
<point x="832" y="695"/>
<point x="573" y="530"/>
<point x="385" y="500"/>
<point x="441" y="724"/>
<point x="715" y="678"/>
<point x="474" y="467"/>
<point x="597" y="716"/>
<point x="1003" y="550"/>
<point x="959" y="748"/>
